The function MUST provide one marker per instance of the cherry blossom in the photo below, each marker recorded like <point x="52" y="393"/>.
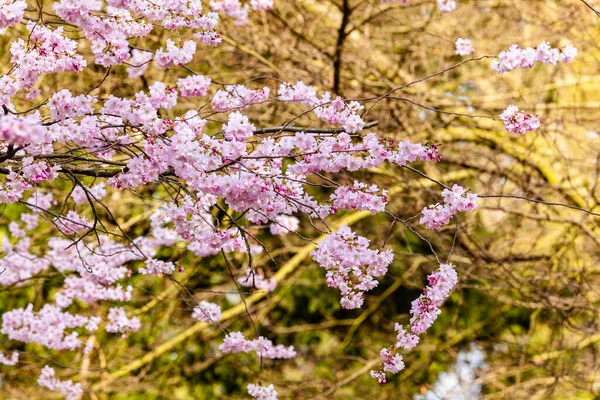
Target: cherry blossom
<point x="518" y="122"/>
<point x="464" y="47"/>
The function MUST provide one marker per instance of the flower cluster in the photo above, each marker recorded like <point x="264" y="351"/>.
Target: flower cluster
<point x="343" y="114"/>
<point x="464" y="47"/>
<point x="207" y="312"/>
<point x="351" y="266"/>
<point x="175" y="55"/>
<point x="193" y="86"/>
<point x="46" y="51"/>
<point x="118" y="321"/>
<point x="424" y="311"/>
<point x="11" y="12"/>
<point x="260" y="392"/>
<point x="235" y="342"/>
<point x="21" y="130"/>
<point x="518" y="122"/>
<point x="69" y="390"/>
<point x="47" y="327"/>
<point x="455" y="200"/>
<point x="63" y="105"/>
<point x="237" y="97"/>
<point x="516" y="57"/>
<point x="14" y="358"/>
<point x="238" y="128"/>
<point x="157" y="267"/>
<point x="360" y="196"/>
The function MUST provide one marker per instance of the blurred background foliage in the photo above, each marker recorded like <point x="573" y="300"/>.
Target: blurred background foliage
<point x="529" y="283"/>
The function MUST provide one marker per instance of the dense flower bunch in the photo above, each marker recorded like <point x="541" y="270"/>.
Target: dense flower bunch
<point x="464" y="47"/>
<point x="351" y="266"/>
<point x="455" y="200"/>
<point x="518" y="122"/>
<point x="424" y="311"/>
<point x="516" y="57"/>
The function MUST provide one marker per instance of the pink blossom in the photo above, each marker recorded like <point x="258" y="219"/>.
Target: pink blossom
<point x="424" y="311"/>
<point x="157" y="267"/>
<point x="11" y="12"/>
<point x="14" y="358"/>
<point x="70" y="390"/>
<point x="284" y="224"/>
<point x="118" y="321"/>
<point x="235" y="342"/>
<point x="193" y="86"/>
<point x="464" y="47"/>
<point x="446" y="6"/>
<point x="238" y="128"/>
<point x="455" y="200"/>
<point x="516" y="57"/>
<point x="237" y="97"/>
<point x="260" y="392"/>
<point x="175" y="55"/>
<point x="207" y="312"/>
<point x="21" y="130"/>
<point x="360" y="196"/>
<point x="518" y="122"/>
<point x="139" y="63"/>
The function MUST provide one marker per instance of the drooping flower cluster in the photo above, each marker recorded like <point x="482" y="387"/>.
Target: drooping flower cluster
<point x="424" y="311"/>
<point x="351" y="266"/>
<point x="235" y="342"/>
<point x="518" y="122"/>
<point x="207" y="312"/>
<point x="48" y="379"/>
<point x="455" y="200"/>
<point x="516" y="57"/>
<point x="464" y="47"/>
